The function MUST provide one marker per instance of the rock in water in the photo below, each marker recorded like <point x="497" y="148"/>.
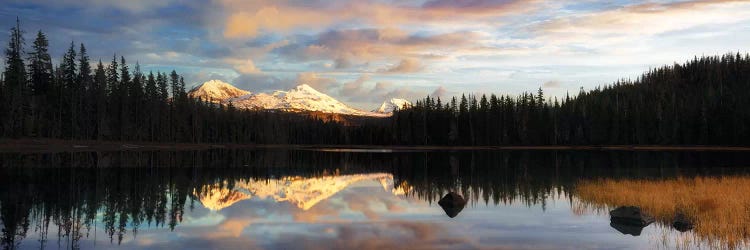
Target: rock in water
<point x="630" y="215"/>
<point x="627" y="229"/>
<point x="629" y="220"/>
<point x="452" y="203"/>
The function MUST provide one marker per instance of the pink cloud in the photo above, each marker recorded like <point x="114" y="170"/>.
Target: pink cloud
<point x="250" y="18"/>
<point x="408" y="65"/>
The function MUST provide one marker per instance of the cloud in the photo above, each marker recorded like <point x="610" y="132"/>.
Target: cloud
<point x="350" y="47"/>
<point x="391" y="234"/>
<point x="551" y="84"/>
<point x="342" y="63"/>
<point x="244" y="66"/>
<point x="383" y="86"/>
<point x="406" y="93"/>
<point x="408" y="48"/>
<point x="316" y="81"/>
<point x="355" y="88"/>
<point x="408" y="65"/>
<point x="251" y="18"/>
<point x="474" y="7"/>
<point x="130" y="5"/>
<point x="439" y="92"/>
<point x="248" y="19"/>
<point x="642" y="19"/>
<point x="358" y="91"/>
<point x="262" y="82"/>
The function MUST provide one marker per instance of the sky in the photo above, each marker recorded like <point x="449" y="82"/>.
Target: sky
<point x="364" y="52"/>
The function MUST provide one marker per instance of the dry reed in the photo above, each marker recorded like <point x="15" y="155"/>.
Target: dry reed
<point x="719" y="206"/>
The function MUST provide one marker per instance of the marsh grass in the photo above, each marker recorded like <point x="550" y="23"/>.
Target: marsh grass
<point x="718" y="206"/>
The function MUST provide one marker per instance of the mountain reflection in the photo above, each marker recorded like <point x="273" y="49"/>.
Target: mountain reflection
<point x="304" y="192"/>
<point x="71" y="194"/>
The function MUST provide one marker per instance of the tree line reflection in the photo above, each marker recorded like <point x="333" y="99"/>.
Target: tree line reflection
<point x="73" y="193"/>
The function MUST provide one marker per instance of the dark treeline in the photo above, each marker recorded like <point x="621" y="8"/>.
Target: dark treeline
<point x="703" y="101"/>
<point x="77" y="100"/>
<point x="59" y="198"/>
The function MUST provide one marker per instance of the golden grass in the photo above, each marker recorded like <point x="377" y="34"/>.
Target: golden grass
<point x="719" y="206"/>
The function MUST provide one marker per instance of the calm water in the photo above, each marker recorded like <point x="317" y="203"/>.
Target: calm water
<point x="328" y="199"/>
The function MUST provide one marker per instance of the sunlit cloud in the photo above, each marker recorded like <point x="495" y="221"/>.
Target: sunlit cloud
<point x="408" y="65"/>
<point x="250" y="18"/>
<point x="246" y="66"/>
<point x="314" y="80"/>
<point x="363" y="51"/>
<point x="625" y="22"/>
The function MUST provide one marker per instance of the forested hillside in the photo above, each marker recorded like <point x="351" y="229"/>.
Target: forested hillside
<point x="701" y="102"/>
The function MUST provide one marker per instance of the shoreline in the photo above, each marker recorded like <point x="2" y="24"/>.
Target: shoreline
<point x="57" y="145"/>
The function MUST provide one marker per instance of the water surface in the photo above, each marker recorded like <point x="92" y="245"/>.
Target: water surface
<point x="302" y="199"/>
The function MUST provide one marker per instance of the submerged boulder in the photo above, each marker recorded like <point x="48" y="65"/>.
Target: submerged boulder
<point x="682" y="223"/>
<point x="629" y="220"/>
<point x="627" y="229"/>
<point x="630" y="215"/>
<point x="452" y="203"/>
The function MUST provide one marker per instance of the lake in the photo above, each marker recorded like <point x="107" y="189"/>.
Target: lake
<point x="362" y="199"/>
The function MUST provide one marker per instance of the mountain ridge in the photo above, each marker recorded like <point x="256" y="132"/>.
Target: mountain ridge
<point x="301" y="98"/>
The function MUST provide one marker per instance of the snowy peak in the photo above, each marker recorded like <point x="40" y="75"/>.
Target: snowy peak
<point x="300" y="98"/>
<point x="391" y="105"/>
<point x="307" y="89"/>
<point x="217" y="91"/>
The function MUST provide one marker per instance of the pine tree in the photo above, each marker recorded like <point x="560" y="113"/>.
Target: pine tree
<point x="540" y="97"/>
<point x="99" y="91"/>
<point x="124" y="87"/>
<point x="151" y="93"/>
<point x="41" y="78"/>
<point x="70" y="88"/>
<point x="164" y="107"/>
<point x="136" y="101"/>
<point x="40" y="65"/>
<point x="84" y="95"/>
<point x="15" y="105"/>
<point x="114" y="99"/>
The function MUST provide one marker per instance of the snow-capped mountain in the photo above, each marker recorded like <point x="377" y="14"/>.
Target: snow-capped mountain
<point x="216" y="91"/>
<point x="390" y="105"/>
<point x="300" y="98"/>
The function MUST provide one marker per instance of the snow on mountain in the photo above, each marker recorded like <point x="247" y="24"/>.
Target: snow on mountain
<point x="300" y="98"/>
<point x="390" y="105"/>
<point x="216" y="90"/>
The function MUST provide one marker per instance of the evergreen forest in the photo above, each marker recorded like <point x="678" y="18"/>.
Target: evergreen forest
<point x="700" y="102"/>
